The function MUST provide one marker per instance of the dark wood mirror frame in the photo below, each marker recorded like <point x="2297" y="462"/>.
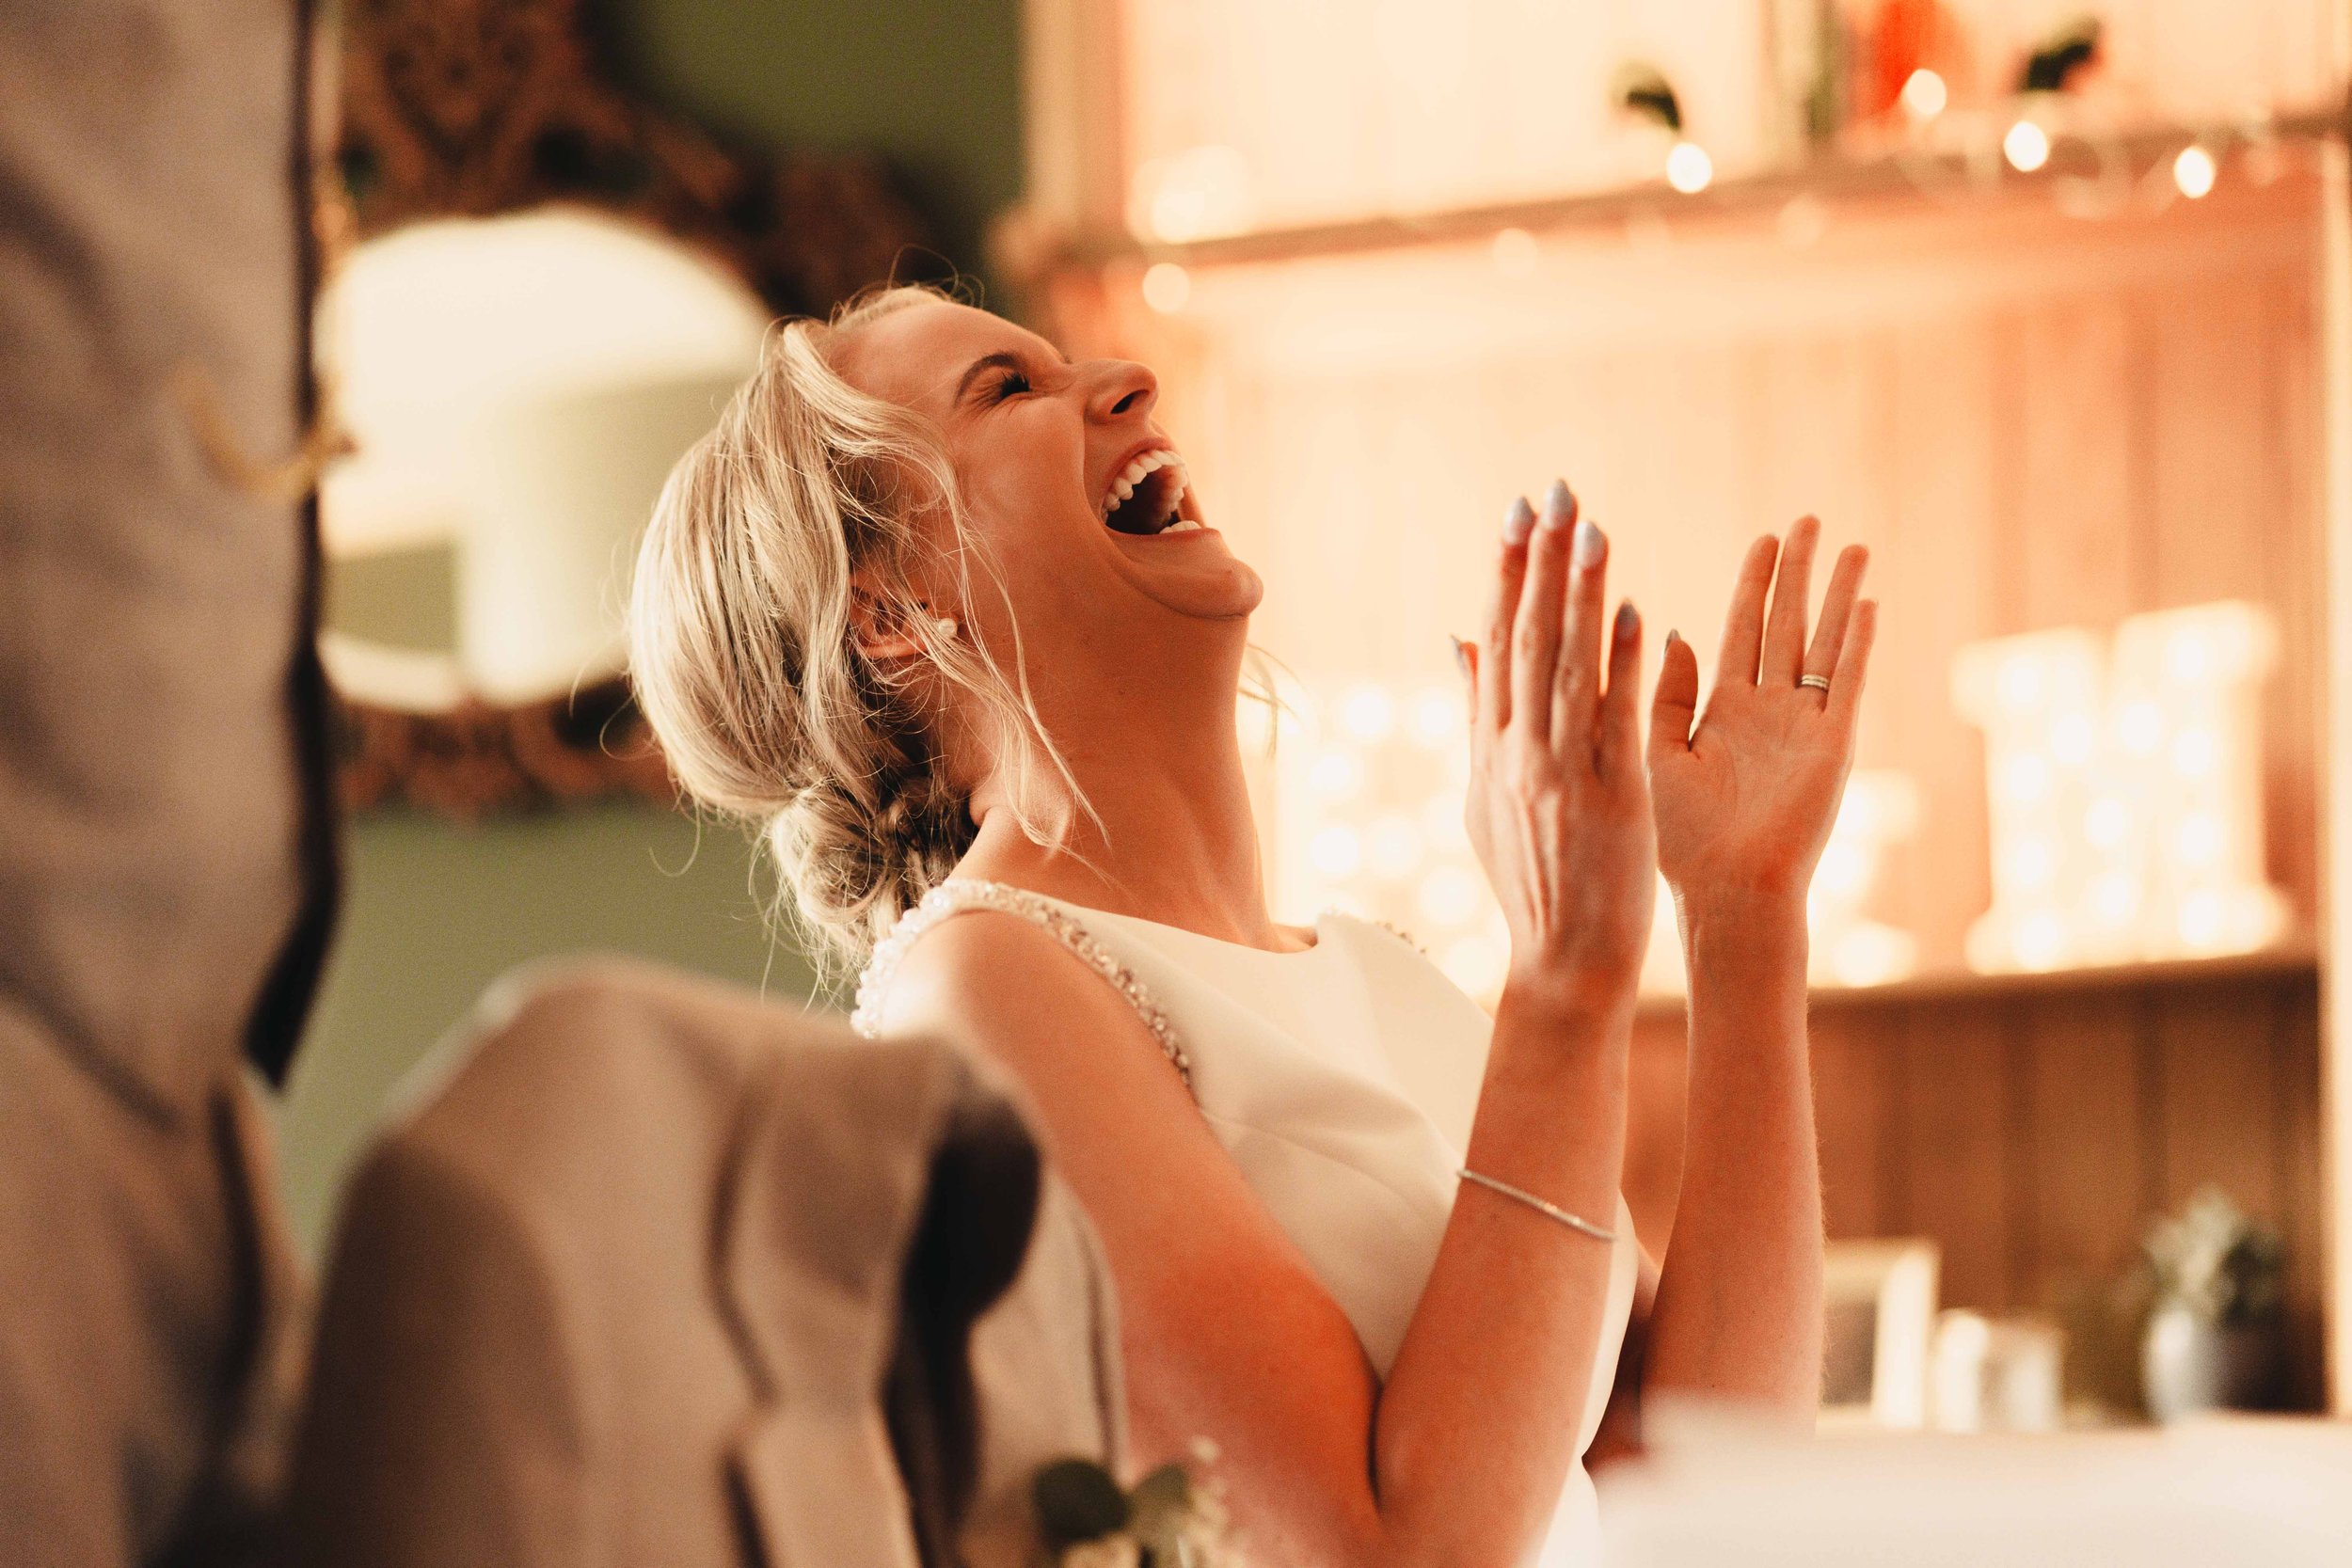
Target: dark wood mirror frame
<point x="468" y="108"/>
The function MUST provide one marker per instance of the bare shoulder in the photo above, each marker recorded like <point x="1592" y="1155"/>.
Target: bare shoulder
<point x="993" y="980"/>
<point x="1284" y="1387"/>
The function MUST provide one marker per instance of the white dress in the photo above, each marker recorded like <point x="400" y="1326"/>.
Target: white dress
<point x="1341" y="1078"/>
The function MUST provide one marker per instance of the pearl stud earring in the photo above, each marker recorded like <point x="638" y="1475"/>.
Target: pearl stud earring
<point x="944" y="627"/>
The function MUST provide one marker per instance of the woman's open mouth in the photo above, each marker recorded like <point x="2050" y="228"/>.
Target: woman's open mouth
<point x="1147" y="495"/>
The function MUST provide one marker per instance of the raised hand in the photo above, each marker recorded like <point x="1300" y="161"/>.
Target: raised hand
<point x="1745" y="798"/>
<point x="1559" y="810"/>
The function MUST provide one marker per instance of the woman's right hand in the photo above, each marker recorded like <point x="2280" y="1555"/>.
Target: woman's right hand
<point x="1559" y="807"/>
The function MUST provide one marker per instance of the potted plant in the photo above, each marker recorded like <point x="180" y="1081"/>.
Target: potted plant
<point x="2211" y="1339"/>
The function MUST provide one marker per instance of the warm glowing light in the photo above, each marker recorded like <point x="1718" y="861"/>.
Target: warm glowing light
<point x="2031" y="863"/>
<point x="1336" y="774"/>
<point x="1394" y="846"/>
<point x="1336" y="851"/>
<point x="1871" y="955"/>
<point x="2114" y="900"/>
<point x="1449" y="896"/>
<point x="1368" y="712"/>
<point x="1167" y="287"/>
<point x="1848" y="948"/>
<point x="2021" y="682"/>
<point x="1515" y="252"/>
<point x="1439" y="720"/>
<point x="1201" y="192"/>
<point x="2200" y="777"/>
<point x="2140" y="727"/>
<point x="2196" y="752"/>
<point x="2193" y="172"/>
<point x="2108" y="821"/>
<point x="1689" y="169"/>
<point x="1475" y="964"/>
<point x="2042" y="941"/>
<point x="1844" y="869"/>
<point x="2202" y="921"/>
<point x="2200" y="839"/>
<point x="1367" y="813"/>
<point x="2188" y="656"/>
<point x="1925" y="95"/>
<point x="2036" y="697"/>
<point x="1441" y="821"/>
<point x="2130" y="827"/>
<point x="2025" y="776"/>
<point x="2026" y="147"/>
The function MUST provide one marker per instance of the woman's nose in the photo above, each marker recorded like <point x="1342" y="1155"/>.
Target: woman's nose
<point x="1124" y="391"/>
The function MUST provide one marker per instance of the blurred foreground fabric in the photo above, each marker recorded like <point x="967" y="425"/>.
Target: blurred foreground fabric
<point x="166" y="836"/>
<point x="657" y="1271"/>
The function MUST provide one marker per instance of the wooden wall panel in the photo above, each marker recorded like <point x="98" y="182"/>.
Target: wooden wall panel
<point x="2219" y="1098"/>
<point x="2296" y="1148"/>
<point x="1938" y="577"/>
<point x="1859" y="1105"/>
<point x="2293" y="585"/>
<point x="2083" y="1127"/>
<point x="1952" y="1123"/>
<point x="2034" y="1137"/>
<point x="2067" y="523"/>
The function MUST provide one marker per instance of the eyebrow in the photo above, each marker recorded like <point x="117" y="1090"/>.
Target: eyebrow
<point x="1002" y="359"/>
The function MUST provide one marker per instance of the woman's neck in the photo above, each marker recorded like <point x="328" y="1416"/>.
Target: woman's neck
<point x="1169" y="837"/>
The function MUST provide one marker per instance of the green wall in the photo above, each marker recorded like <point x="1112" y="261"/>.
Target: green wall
<point x="934" y="84"/>
<point x="434" y="910"/>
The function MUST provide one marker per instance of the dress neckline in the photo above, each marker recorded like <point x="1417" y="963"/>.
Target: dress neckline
<point x="1314" y="946"/>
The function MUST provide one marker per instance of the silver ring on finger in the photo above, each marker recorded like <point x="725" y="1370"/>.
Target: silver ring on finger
<point x="1818" y="683"/>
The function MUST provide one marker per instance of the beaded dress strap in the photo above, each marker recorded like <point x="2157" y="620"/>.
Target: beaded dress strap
<point x="954" y="897"/>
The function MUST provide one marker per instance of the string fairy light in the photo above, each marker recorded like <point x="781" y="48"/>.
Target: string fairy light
<point x="1689" y="169"/>
<point x="1167" y="287"/>
<point x="2026" y="147"/>
<point x="2193" y="172"/>
<point x="1924" y="95"/>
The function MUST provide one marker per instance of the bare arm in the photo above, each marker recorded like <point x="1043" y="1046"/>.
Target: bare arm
<point x="1460" y="1459"/>
<point x="1744" y="806"/>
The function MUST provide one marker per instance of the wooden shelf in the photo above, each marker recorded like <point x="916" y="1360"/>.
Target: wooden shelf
<point x="1832" y="178"/>
<point x="2297" y="957"/>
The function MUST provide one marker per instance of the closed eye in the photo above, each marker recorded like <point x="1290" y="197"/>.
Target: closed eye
<point x="1011" y="383"/>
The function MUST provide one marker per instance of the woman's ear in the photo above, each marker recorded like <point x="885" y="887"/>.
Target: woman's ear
<point x="887" y="633"/>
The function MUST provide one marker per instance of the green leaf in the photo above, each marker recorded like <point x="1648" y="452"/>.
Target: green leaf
<point x="1076" y="1500"/>
<point x="1161" y="1506"/>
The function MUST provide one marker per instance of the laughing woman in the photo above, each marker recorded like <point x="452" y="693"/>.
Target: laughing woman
<point x="935" y="608"/>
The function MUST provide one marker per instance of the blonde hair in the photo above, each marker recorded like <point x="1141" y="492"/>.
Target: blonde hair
<point x="742" y="650"/>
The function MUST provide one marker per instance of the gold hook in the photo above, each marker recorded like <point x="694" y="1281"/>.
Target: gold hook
<point x="286" y="482"/>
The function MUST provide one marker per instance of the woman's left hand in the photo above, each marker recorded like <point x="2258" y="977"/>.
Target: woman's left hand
<point x="1744" y="800"/>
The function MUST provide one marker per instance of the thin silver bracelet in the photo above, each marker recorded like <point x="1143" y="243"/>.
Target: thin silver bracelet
<point x="1574" y="1222"/>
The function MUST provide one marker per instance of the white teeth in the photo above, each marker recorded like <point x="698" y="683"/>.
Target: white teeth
<point x="1182" y="524"/>
<point x="1123" y="487"/>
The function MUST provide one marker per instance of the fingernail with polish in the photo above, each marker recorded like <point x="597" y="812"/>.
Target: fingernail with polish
<point x="1461" y="654"/>
<point x="1517" y="521"/>
<point x="1673" y="636"/>
<point x="1590" y="546"/>
<point x="1629" y="621"/>
<point x="1558" y="504"/>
